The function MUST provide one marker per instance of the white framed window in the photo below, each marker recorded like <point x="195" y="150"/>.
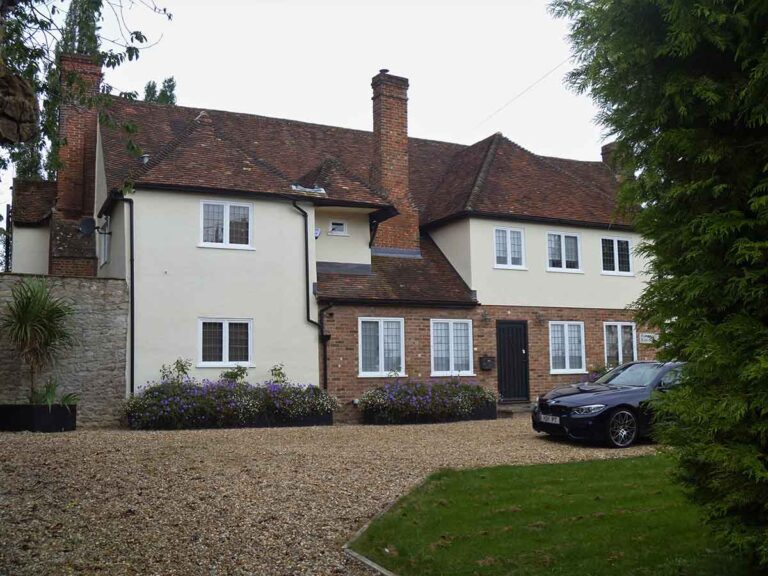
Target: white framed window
<point x="620" y="343"/>
<point x="381" y="347"/>
<point x="563" y="252"/>
<point x="616" y="256"/>
<point x="337" y="228"/>
<point x="451" y="347"/>
<point x="226" y="224"/>
<point x="508" y="248"/>
<point x="224" y="341"/>
<point x="104" y="234"/>
<point x="566" y="348"/>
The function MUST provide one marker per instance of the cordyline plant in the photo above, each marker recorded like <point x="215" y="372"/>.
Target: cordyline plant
<point x="37" y="324"/>
<point x="682" y="85"/>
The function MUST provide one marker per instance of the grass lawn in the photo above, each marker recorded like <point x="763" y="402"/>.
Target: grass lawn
<point x="598" y="517"/>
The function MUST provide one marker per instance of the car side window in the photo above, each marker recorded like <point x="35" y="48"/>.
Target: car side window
<point x="671" y="378"/>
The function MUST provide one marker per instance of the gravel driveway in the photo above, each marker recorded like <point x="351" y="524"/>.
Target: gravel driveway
<point x="258" y="501"/>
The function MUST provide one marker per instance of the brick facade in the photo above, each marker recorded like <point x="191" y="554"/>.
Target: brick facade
<point x="390" y="166"/>
<point x="341" y="323"/>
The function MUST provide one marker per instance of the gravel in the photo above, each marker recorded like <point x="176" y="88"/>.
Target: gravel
<point x="250" y="501"/>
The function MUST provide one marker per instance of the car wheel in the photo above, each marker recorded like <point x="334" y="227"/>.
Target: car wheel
<point x="622" y="428"/>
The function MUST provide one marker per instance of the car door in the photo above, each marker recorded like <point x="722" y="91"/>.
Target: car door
<point x="668" y="380"/>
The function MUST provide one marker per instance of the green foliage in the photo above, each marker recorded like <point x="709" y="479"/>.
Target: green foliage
<point x="599" y="518"/>
<point x="33" y="39"/>
<point x="236" y="374"/>
<point x="682" y="85"/>
<point x="277" y="373"/>
<point x="37" y="324"/>
<point x="400" y="402"/>
<point x="166" y="95"/>
<point x="48" y="395"/>
<point x="177" y="372"/>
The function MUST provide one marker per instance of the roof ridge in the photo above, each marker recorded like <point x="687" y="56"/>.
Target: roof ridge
<point x="485" y="167"/>
<point x="273" y="119"/>
<point x="260" y="161"/>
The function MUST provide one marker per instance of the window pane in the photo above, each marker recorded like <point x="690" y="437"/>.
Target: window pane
<point x="441" y="347"/>
<point x="238" y="342"/>
<point x="461" y="349"/>
<point x="623" y="250"/>
<point x="571" y="252"/>
<point x="608" y="256"/>
<point x="238" y="225"/>
<point x="557" y="346"/>
<point x="213" y="223"/>
<point x="338" y="227"/>
<point x="369" y="343"/>
<point x="516" y="248"/>
<point x="393" y="361"/>
<point x="555" y="251"/>
<point x="501" y="247"/>
<point x="627" y="344"/>
<point x="575" y="361"/>
<point x="213" y="341"/>
<point x="612" y="344"/>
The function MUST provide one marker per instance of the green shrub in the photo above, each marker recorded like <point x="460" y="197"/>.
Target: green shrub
<point x="404" y="402"/>
<point x="177" y="404"/>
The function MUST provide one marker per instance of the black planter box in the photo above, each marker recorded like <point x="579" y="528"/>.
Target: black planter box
<point x="37" y="418"/>
<point x="485" y="412"/>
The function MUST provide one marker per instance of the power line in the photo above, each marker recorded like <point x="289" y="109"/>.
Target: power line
<point x="524" y="91"/>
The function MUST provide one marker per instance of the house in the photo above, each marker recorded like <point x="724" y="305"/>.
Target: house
<point x="348" y="256"/>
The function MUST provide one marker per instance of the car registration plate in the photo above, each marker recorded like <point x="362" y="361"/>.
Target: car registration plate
<point x="547" y="419"/>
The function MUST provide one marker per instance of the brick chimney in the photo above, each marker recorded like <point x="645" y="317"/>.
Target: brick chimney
<point x="390" y="163"/>
<point x="71" y="253"/>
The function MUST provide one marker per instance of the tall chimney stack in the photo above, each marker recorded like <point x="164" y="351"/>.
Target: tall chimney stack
<point x="71" y="253"/>
<point x="389" y="171"/>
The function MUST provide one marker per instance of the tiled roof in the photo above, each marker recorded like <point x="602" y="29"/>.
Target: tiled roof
<point x="32" y="201"/>
<point x="243" y="152"/>
<point x="427" y="280"/>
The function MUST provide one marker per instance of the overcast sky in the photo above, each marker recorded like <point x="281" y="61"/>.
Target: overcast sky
<point x="313" y="61"/>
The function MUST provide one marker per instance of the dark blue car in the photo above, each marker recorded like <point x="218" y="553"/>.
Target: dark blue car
<point x="613" y="409"/>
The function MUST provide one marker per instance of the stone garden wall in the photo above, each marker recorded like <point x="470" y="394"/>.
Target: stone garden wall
<point x="95" y="367"/>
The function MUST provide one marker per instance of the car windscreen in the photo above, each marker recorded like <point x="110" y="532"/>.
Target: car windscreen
<point x="632" y="375"/>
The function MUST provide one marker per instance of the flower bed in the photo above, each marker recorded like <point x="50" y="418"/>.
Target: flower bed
<point x="227" y="404"/>
<point x="422" y="403"/>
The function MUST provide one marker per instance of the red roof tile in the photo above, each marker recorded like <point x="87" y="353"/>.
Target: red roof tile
<point x="427" y="280"/>
<point x="32" y="201"/>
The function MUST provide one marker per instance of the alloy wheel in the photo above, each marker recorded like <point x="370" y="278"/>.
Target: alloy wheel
<point x="622" y="429"/>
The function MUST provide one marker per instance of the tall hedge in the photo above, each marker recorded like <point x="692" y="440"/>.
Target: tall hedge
<point x="682" y="85"/>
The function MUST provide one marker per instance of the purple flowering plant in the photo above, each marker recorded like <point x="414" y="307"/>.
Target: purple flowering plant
<point x="410" y="401"/>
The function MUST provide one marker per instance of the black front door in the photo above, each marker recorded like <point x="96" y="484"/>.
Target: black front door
<point x="512" y="355"/>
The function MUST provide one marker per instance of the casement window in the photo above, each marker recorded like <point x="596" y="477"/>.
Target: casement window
<point x="381" y="346"/>
<point x="566" y="348"/>
<point x="563" y="251"/>
<point x="451" y="347"/>
<point x="509" y="248"/>
<point x="337" y="228"/>
<point x="224" y="342"/>
<point x="620" y="343"/>
<point x="617" y="256"/>
<point x="104" y="235"/>
<point x="225" y="224"/>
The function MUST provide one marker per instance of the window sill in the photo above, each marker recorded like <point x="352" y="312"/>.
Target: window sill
<point x="452" y="375"/>
<point x="566" y="270"/>
<point x="381" y="375"/>
<point x="227" y="246"/>
<point x="627" y="274"/>
<point x="568" y="372"/>
<point x="337" y="234"/>
<point x="502" y="267"/>
<point x="224" y="365"/>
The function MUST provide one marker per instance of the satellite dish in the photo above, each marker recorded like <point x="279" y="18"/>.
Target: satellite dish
<point x="87" y="226"/>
